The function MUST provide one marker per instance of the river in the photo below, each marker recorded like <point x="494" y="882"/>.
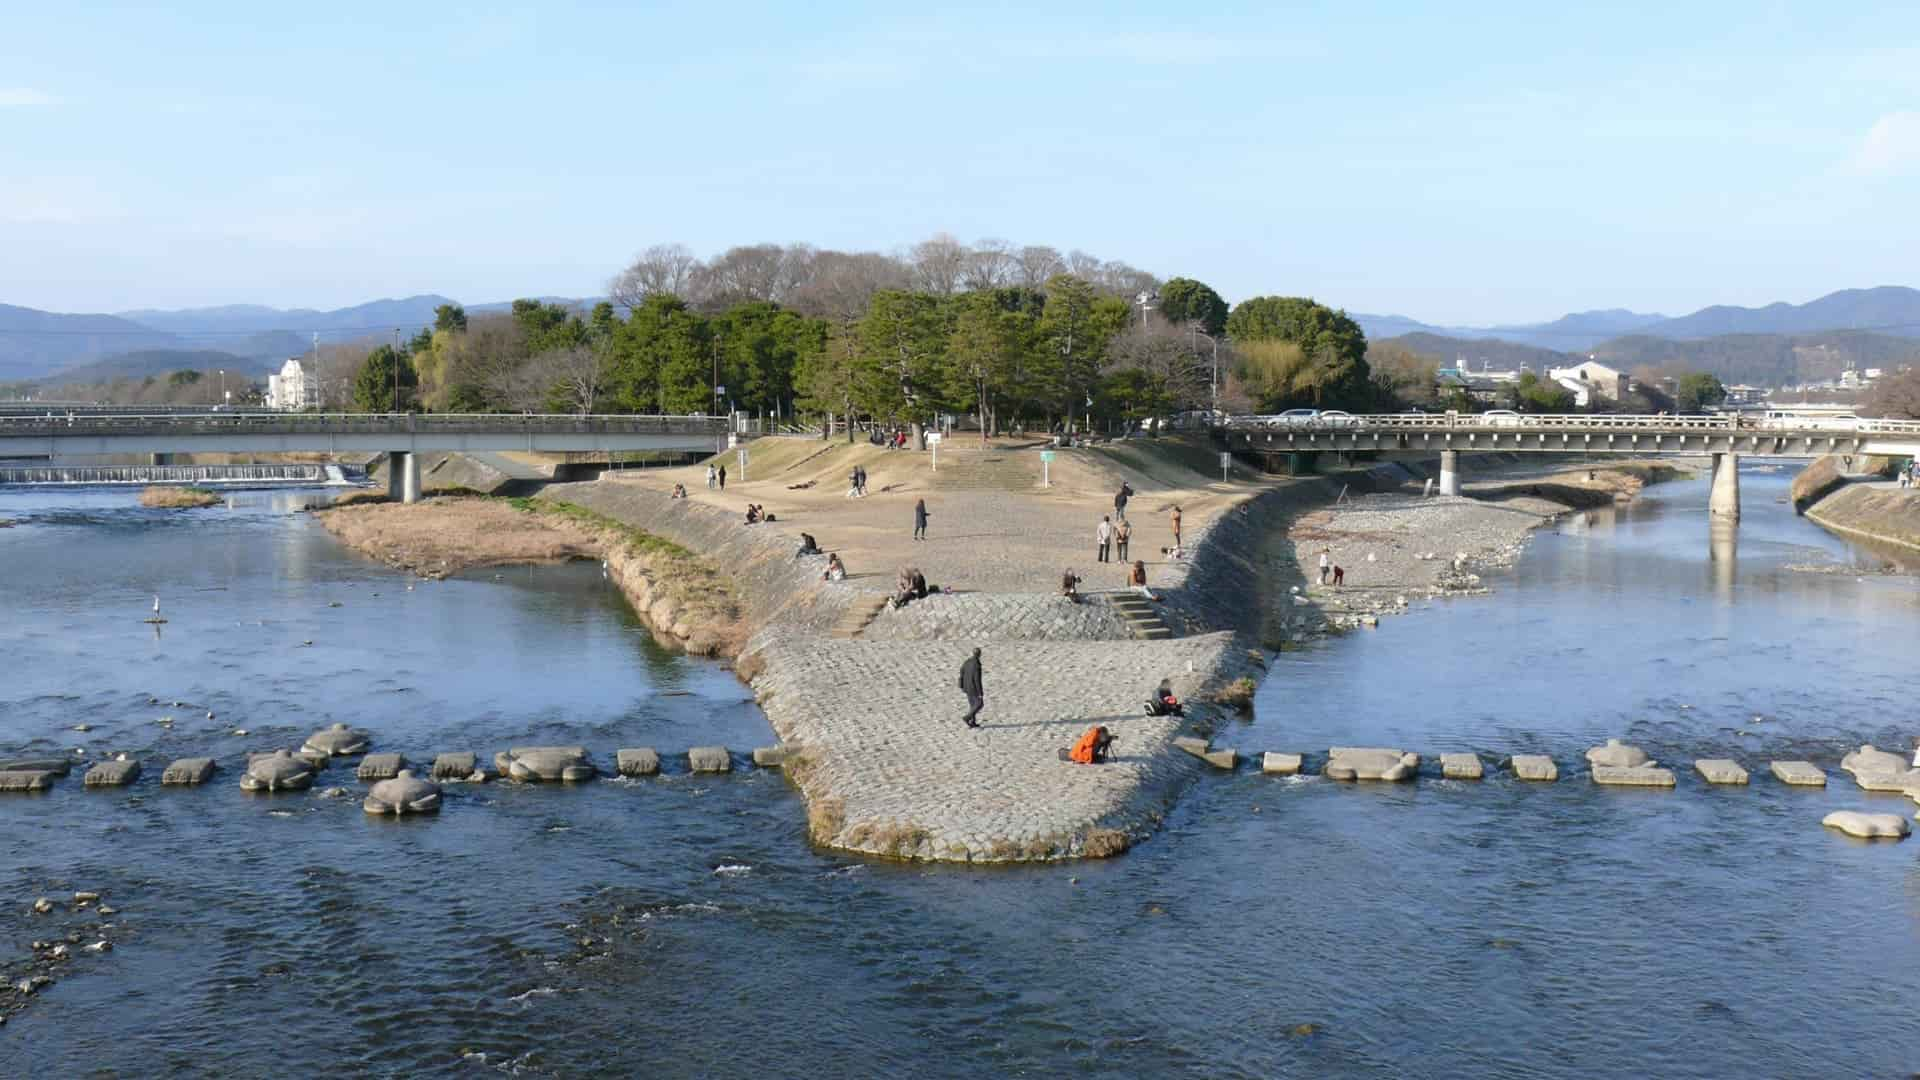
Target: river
<point x="682" y="926"/>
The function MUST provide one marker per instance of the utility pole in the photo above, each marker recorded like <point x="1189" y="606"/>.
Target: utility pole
<point x="396" y="369"/>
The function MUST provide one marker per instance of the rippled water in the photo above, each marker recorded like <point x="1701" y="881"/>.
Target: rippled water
<point x="683" y="927"/>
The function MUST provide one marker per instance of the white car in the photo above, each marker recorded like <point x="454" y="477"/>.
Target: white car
<point x="1500" y="418"/>
<point x="1293" y="418"/>
<point x="1334" y="418"/>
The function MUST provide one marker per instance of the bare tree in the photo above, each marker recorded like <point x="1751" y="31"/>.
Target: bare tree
<point x="1037" y="264"/>
<point x="738" y="275"/>
<point x="1895" y="396"/>
<point x="1084" y="266"/>
<point x="939" y="265"/>
<point x="662" y="268"/>
<point x="840" y="284"/>
<point x="1119" y="279"/>
<point x="990" y="265"/>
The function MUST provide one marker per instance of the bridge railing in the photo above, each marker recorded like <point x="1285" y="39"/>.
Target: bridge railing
<point x="371" y="423"/>
<point x="1500" y="423"/>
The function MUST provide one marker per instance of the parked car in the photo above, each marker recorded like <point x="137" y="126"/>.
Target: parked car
<point x="1500" y="418"/>
<point x="1334" y="418"/>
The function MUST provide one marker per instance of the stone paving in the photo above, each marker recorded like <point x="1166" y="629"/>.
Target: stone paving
<point x="990" y="617"/>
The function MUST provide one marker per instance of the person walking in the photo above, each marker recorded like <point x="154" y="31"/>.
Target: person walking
<point x="920" y="520"/>
<point x="1104" y="536"/>
<point x="860" y="480"/>
<point x="1176" y="528"/>
<point x="971" y="686"/>
<point x="1326" y="565"/>
<point x="709" y="476"/>
<point x="1120" y="500"/>
<point x="723" y="478"/>
<point x="1120" y="538"/>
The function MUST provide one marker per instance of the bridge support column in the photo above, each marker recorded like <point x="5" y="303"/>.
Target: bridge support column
<point x="1725" y="500"/>
<point x="410" y="477"/>
<point x="1449" y="472"/>
<point x="158" y="460"/>
<point x="394" y="468"/>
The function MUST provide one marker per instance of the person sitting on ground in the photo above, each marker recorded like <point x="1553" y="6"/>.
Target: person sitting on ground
<point x="1092" y="748"/>
<point x="1339" y="575"/>
<point x="1163" y="703"/>
<point x="919" y="584"/>
<point x="1070" y="586"/>
<point x="679" y="491"/>
<point x="902" y="588"/>
<point x="835" y="570"/>
<point x="1137" y="578"/>
<point x="807" y="546"/>
<point x="753" y="514"/>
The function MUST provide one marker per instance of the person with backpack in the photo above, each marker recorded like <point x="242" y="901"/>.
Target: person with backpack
<point x="971" y="686"/>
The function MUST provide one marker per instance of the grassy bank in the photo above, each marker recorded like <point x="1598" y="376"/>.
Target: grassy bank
<point x="177" y="498"/>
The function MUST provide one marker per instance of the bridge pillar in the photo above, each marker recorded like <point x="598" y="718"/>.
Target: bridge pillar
<point x="1449" y="472"/>
<point x="1725" y="500"/>
<point x="158" y="460"/>
<point x="410" y="477"/>
<point x="394" y="468"/>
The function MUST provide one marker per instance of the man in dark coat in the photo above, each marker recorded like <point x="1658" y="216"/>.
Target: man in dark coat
<point x="1120" y="500"/>
<point x="970" y="685"/>
<point x="920" y="520"/>
<point x="723" y="478"/>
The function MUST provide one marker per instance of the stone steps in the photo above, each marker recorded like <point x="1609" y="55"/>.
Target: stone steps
<point x="1139" y="614"/>
<point x="858" y="615"/>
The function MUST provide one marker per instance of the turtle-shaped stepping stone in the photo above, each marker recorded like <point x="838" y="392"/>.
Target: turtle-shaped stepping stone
<point x="404" y="794"/>
<point x="338" y="740"/>
<point x="546" y="763"/>
<point x="118" y="772"/>
<point x="278" y="771"/>
<point x="1619" y="755"/>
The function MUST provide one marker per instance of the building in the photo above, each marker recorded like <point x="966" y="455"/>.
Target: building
<point x="1593" y="380"/>
<point x="296" y="387"/>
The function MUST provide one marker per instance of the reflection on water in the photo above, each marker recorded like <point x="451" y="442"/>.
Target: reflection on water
<point x="1275" y="927"/>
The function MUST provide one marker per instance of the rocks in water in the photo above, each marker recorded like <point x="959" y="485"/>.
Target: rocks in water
<point x="403" y="794"/>
<point x="710" y="759"/>
<point x="1799" y="773"/>
<point x="769" y="757"/>
<point x="1721" y="771"/>
<point x="1619" y="755"/>
<point x="192" y="770"/>
<point x="642" y="761"/>
<point x="56" y="766"/>
<point x="119" y="772"/>
<point x="380" y="767"/>
<point x="1633" y="776"/>
<point x="1867" y="826"/>
<point x="278" y="771"/>
<point x="1191" y="744"/>
<point x="1370" y="763"/>
<point x="314" y="758"/>
<point x="1878" y="770"/>
<point x="1537" y="767"/>
<point x="27" y="779"/>
<point x="42" y="906"/>
<point x="1279" y="764"/>
<point x="1461" y="766"/>
<point x="1224" y="757"/>
<point x="338" y="740"/>
<point x="458" y="765"/>
<point x="546" y="764"/>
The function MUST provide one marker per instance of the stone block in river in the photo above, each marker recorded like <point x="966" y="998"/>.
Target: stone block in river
<point x="1222" y="758"/>
<point x="1867" y="826"/>
<point x="404" y="793"/>
<point x="1619" y="755"/>
<point x="1870" y="759"/>
<point x="1370" y="763"/>
<point x="1800" y="773"/>
<point x="1535" y="767"/>
<point x="192" y="770"/>
<point x="313" y="758"/>
<point x="1633" y="776"/>
<point x="278" y="771"/>
<point x="338" y="740"/>
<point x="380" y="767"/>
<point x="546" y="764"/>
<point x="458" y="765"/>
<point x="1461" y="766"/>
<point x="769" y="757"/>
<point x="27" y="779"/>
<point x="1721" y="771"/>
<point x="119" y="772"/>
<point x="710" y="759"/>
<point x="56" y="766"/>
<point x="641" y="761"/>
<point x="1280" y="764"/>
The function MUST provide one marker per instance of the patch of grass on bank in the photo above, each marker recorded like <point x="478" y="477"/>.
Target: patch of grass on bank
<point x="638" y="539"/>
<point x="178" y="498"/>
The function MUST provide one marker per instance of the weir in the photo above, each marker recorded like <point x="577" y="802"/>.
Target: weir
<point x="175" y="474"/>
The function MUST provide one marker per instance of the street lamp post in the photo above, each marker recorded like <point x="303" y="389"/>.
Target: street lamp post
<point x="1215" y="342"/>
<point x="395" y="367"/>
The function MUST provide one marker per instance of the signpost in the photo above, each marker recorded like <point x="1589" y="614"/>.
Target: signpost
<point x="1226" y="463"/>
<point x="743" y="463"/>
<point x="933" y="443"/>
<point x="1046" y="468"/>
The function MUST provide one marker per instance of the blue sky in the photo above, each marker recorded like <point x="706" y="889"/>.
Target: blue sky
<point x="1455" y="163"/>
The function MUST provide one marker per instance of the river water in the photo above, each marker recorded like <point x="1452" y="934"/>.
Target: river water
<point x="682" y="926"/>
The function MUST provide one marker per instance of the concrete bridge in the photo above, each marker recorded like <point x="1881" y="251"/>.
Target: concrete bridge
<point x="401" y="435"/>
<point x="1723" y="438"/>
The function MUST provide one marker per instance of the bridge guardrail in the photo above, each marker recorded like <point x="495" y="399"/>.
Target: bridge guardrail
<point x="1570" y="422"/>
<point x="373" y="423"/>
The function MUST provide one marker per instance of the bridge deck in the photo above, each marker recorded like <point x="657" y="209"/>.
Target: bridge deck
<point x="1576" y="434"/>
<point x="88" y="434"/>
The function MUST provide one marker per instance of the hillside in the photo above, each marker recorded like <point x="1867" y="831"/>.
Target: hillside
<point x="1890" y="309"/>
<point x="145" y="362"/>
<point x="1763" y="359"/>
<point x="33" y="343"/>
<point x="1481" y="353"/>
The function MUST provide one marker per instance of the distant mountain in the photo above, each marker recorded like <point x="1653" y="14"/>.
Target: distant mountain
<point x="252" y="330"/>
<point x="145" y="362"/>
<point x="1888" y="309"/>
<point x="1569" y="332"/>
<point x="1480" y="354"/>
<point x="36" y="342"/>
<point x="1762" y="359"/>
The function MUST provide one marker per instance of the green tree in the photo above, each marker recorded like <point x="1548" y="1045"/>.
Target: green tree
<point x="761" y="345"/>
<point x="987" y="340"/>
<point x="659" y="359"/>
<point x="1184" y="300"/>
<point x="1074" y="331"/>
<point x="1334" y="346"/>
<point x="451" y="318"/>
<point x="902" y="350"/>
<point x="1535" y="394"/>
<point x="547" y="326"/>
<point x="1698" y="391"/>
<point x="374" y="386"/>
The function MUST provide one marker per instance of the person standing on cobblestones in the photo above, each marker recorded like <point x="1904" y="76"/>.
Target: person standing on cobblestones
<point x="723" y="478"/>
<point x="971" y="686"/>
<point x="920" y="520"/>
<point x="709" y="475"/>
<point x="1120" y="538"/>
<point x="1176" y="528"/>
<point x="1104" y="537"/>
<point x="1120" y="500"/>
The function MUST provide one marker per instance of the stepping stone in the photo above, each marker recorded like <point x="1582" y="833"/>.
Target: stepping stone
<point x="314" y="758"/>
<point x="56" y="766"/>
<point x="380" y="767"/>
<point x="1461" y="766"/>
<point x="1370" y="763"/>
<point x="27" y="779"/>
<point x="1721" y="771"/>
<point x="644" y="761"/>
<point x="1534" y="767"/>
<point x="403" y="794"/>
<point x="116" y="773"/>
<point x="278" y="771"/>
<point x="769" y="757"/>
<point x="1278" y="764"/>
<point x="1223" y="758"/>
<point x="710" y="759"/>
<point x="1619" y="755"/>
<point x="458" y="765"/>
<point x="1869" y="759"/>
<point x="1798" y="773"/>
<point x="536" y="764"/>
<point x="191" y="770"/>
<point x="1633" y="776"/>
<point x="1868" y="826"/>
<point x="338" y="740"/>
<point x="1191" y="744"/>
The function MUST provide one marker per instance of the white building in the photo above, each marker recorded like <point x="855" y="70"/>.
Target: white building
<point x="1592" y="379"/>
<point x="296" y="387"/>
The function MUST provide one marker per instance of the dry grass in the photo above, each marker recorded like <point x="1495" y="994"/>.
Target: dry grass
<point x="749" y="667"/>
<point x="359" y="498"/>
<point x="897" y="839"/>
<point x="442" y="536"/>
<point x="178" y="498"/>
<point x="1105" y="843"/>
<point x="825" y="818"/>
<point x="1237" y="694"/>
